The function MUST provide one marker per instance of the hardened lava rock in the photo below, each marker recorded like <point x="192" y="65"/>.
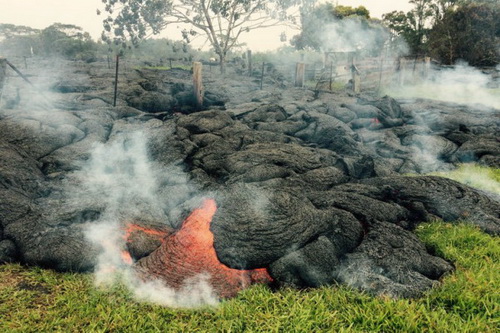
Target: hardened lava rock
<point x="188" y="253"/>
<point x="308" y="185"/>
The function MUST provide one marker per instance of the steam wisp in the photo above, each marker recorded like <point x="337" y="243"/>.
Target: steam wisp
<point x="121" y="175"/>
<point x="460" y="84"/>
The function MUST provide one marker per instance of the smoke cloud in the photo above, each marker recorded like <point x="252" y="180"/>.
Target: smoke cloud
<point x="351" y="35"/>
<point x="121" y="176"/>
<point x="460" y="84"/>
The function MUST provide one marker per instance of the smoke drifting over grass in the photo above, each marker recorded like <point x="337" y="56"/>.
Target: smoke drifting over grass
<point x="121" y="176"/>
<point x="460" y="84"/>
<point x="475" y="176"/>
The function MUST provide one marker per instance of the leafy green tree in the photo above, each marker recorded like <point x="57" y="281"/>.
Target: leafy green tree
<point x="222" y="22"/>
<point x="67" y="40"/>
<point x="64" y="40"/>
<point x="152" y="50"/>
<point x="449" y="29"/>
<point x="470" y="32"/>
<point x="414" y="25"/>
<point x="18" y="40"/>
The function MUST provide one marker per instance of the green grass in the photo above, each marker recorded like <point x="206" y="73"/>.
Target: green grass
<point x="37" y="300"/>
<point x="166" y="68"/>
<point x="484" y="178"/>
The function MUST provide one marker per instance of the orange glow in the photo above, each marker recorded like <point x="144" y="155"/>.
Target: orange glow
<point x="127" y="258"/>
<point x="190" y="251"/>
<point x="131" y="228"/>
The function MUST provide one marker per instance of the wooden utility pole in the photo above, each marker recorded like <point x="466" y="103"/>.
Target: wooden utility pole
<point x="198" y="83"/>
<point x="116" y="79"/>
<point x="300" y="70"/>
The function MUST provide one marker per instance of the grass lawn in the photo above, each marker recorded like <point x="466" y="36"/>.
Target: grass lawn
<point x="37" y="300"/>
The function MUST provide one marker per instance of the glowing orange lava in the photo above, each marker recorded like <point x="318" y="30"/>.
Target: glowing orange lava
<point x="134" y="228"/>
<point x="127" y="258"/>
<point x="131" y="228"/>
<point x="190" y="252"/>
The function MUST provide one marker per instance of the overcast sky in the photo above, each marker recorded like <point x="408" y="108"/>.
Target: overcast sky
<point x="42" y="13"/>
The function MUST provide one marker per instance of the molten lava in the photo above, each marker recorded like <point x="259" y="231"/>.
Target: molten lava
<point x="190" y="252"/>
<point x="138" y="236"/>
<point x="131" y="228"/>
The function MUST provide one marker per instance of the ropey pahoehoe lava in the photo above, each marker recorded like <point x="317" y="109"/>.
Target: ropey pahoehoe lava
<point x="309" y="188"/>
<point x="189" y="252"/>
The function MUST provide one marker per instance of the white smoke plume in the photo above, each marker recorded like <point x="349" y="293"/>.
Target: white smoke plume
<point x="351" y="35"/>
<point x="460" y="84"/>
<point x="474" y="176"/>
<point x="127" y="183"/>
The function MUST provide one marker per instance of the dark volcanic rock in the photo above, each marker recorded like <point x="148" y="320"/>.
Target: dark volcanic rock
<point x="306" y="185"/>
<point x="267" y="225"/>
<point x="8" y="251"/>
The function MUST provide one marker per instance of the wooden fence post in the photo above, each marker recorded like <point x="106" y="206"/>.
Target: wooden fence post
<point x="402" y="71"/>
<point x="249" y="60"/>
<point x="262" y="75"/>
<point x="300" y="70"/>
<point x="356" y="79"/>
<point x="198" y="83"/>
<point x="427" y="67"/>
<point x="116" y="80"/>
<point x="331" y="76"/>
<point x="3" y="74"/>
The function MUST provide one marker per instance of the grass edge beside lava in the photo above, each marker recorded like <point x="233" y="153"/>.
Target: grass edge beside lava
<point x="34" y="299"/>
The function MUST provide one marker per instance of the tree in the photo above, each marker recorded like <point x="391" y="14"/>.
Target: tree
<point x="469" y="32"/>
<point x="414" y="25"/>
<point x="67" y="40"/>
<point x="222" y="22"/>
<point x="18" y="40"/>
<point x="329" y="27"/>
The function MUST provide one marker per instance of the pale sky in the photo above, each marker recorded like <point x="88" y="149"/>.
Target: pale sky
<point x="42" y="13"/>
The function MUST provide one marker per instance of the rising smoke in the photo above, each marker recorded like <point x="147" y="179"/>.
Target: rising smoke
<point x="122" y="177"/>
<point x="352" y="35"/>
<point x="460" y="84"/>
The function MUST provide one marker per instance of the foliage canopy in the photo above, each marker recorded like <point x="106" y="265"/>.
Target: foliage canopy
<point x="66" y="40"/>
<point x="451" y="30"/>
<point x="221" y="22"/>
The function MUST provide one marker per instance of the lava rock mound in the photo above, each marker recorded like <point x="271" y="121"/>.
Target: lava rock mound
<point x="308" y="186"/>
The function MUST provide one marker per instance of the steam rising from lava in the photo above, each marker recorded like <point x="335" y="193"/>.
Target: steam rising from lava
<point x="189" y="252"/>
<point x="128" y="184"/>
<point x="351" y="35"/>
<point x="460" y="84"/>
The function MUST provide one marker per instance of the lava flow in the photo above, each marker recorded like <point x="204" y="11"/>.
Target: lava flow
<point x="189" y="252"/>
<point x="135" y="235"/>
